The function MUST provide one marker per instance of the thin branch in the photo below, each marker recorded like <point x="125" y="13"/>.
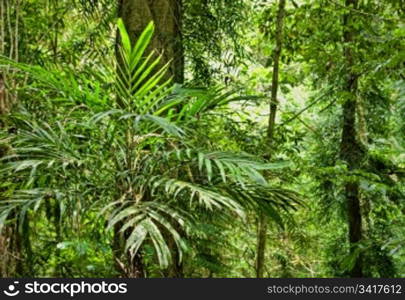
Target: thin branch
<point x="305" y="108"/>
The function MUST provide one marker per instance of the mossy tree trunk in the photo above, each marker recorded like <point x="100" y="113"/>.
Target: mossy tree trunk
<point x="351" y="151"/>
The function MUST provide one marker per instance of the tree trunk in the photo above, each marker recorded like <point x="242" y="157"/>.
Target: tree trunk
<point x="350" y="149"/>
<point x="3" y="97"/>
<point x="262" y="232"/>
<point x="11" y="251"/>
<point x="276" y="63"/>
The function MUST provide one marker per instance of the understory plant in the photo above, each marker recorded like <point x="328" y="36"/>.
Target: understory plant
<point x="114" y="165"/>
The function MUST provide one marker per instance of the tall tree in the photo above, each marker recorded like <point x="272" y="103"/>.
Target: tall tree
<point x="350" y="149"/>
<point x="10" y="241"/>
<point x="262" y="232"/>
<point x="9" y="46"/>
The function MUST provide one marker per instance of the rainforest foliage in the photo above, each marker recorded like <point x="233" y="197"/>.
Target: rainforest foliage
<point x="202" y="138"/>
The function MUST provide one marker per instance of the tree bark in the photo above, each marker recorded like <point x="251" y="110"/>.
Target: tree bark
<point x="262" y="224"/>
<point x="350" y="149"/>
<point x="3" y="97"/>
<point x="11" y="249"/>
<point x="276" y="66"/>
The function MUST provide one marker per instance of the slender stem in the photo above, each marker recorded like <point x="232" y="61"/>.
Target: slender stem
<point x="262" y="232"/>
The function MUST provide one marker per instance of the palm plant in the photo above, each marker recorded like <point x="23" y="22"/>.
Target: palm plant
<point x="118" y="150"/>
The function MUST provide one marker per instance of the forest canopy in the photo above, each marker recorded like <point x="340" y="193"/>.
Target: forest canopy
<point x="216" y="138"/>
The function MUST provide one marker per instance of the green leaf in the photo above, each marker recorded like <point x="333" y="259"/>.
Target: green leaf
<point x="125" y="40"/>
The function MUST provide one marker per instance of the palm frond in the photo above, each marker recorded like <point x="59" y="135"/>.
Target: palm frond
<point x="153" y="221"/>
<point x="138" y="84"/>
